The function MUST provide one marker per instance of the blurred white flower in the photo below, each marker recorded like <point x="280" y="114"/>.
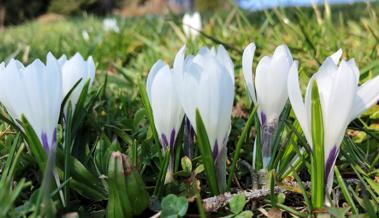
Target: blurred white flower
<point x="206" y="82"/>
<point x="167" y="111"/>
<point x="342" y="100"/>
<point x="268" y="91"/>
<point x="34" y="91"/>
<point x="85" y="35"/>
<point x="110" y="24"/>
<point x="73" y="70"/>
<point x="192" y="25"/>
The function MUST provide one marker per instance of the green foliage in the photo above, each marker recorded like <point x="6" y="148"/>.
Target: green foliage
<point x="241" y="140"/>
<point x="9" y="192"/>
<point x="317" y="156"/>
<point x="186" y="164"/>
<point x="237" y="204"/>
<point x="206" y="154"/>
<point x="70" y="6"/>
<point x="174" y="206"/>
<point x="119" y="204"/>
<point x="127" y="194"/>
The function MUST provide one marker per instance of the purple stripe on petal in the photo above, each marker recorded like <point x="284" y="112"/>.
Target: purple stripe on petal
<point x="263" y="118"/>
<point x="164" y="140"/>
<point x="215" y="151"/>
<point x="187" y="123"/>
<point x="330" y="161"/>
<point x="189" y="134"/>
<point x="172" y="139"/>
<point x="45" y="142"/>
<point x="268" y="131"/>
<point x="188" y="127"/>
<point x="55" y="136"/>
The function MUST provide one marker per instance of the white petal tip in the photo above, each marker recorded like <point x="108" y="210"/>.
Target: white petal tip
<point x="336" y="56"/>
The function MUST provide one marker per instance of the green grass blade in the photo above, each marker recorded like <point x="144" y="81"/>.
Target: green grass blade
<point x="206" y="153"/>
<point x="345" y="191"/>
<point x="34" y="143"/>
<point x="162" y="173"/>
<point x="258" y="150"/>
<point x="302" y="189"/>
<point x="149" y="113"/>
<point x="241" y="140"/>
<point x="317" y="159"/>
<point x="275" y="146"/>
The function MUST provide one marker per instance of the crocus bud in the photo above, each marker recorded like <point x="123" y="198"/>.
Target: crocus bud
<point x="342" y="100"/>
<point x="73" y="70"/>
<point x="167" y="111"/>
<point x="205" y="82"/>
<point x="127" y="194"/>
<point x="35" y="92"/>
<point x="268" y="90"/>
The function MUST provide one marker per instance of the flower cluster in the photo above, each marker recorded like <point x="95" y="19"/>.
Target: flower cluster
<point x="36" y="91"/>
<point x="205" y="82"/>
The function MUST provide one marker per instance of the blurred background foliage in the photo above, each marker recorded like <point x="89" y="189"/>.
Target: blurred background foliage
<point x="17" y="11"/>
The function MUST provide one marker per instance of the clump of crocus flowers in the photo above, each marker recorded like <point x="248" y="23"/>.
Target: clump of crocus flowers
<point x="205" y="83"/>
<point x="200" y="89"/>
<point x="40" y="90"/>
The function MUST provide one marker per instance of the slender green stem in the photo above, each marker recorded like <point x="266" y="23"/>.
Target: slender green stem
<point x="162" y="173"/>
<point x="199" y="202"/>
<point x="206" y="154"/>
<point x="344" y="190"/>
<point x="241" y="140"/>
<point x="67" y="153"/>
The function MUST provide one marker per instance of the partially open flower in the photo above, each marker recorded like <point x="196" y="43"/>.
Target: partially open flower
<point x="35" y="92"/>
<point x="268" y="90"/>
<point x="167" y="111"/>
<point x="342" y="100"/>
<point x="206" y="82"/>
<point x="73" y="70"/>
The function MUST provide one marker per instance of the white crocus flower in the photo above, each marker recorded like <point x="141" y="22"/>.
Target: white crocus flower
<point x="35" y="92"/>
<point x="167" y="111"/>
<point x="268" y="91"/>
<point x="342" y="100"/>
<point x="110" y="24"/>
<point x="73" y="70"/>
<point x="192" y="25"/>
<point x="206" y="82"/>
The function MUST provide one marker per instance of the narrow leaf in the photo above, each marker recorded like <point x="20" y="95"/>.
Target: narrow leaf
<point x="206" y="153"/>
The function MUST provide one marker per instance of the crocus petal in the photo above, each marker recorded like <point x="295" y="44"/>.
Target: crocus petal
<point x="367" y="95"/>
<point x="329" y="164"/>
<point x="273" y="72"/>
<point x="62" y="60"/>
<point x="167" y="111"/>
<point x="153" y="72"/>
<point x="338" y="111"/>
<point x="336" y="56"/>
<point x="38" y="95"/>
<point x="224" y="58"/>
<point x="247" y="68"/>
<point x="206" y="82"/>
<point x="296" y="100"/>
<point x="325" y="80"/>
<point x="73" y="70"/>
